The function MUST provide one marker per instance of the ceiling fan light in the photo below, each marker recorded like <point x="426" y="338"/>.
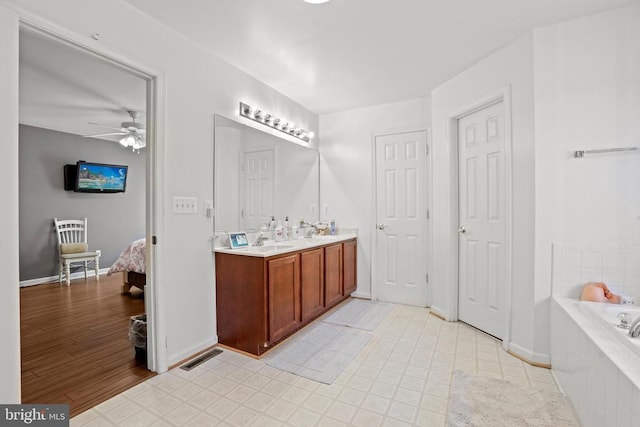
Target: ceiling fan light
<point x="128" y="141"/>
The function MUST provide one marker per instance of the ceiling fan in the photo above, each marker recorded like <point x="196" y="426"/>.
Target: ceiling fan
<point x="133" y="132"/>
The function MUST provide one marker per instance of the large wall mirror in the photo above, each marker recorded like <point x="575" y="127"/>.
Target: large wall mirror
<point x="258" y="175"/>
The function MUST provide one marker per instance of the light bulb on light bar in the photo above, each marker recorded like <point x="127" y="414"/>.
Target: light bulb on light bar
<point x="316" y="1"/>
<point x="274" y="122"/>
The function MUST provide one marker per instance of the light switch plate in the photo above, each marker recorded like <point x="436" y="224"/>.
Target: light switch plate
<point x="185" y="205"/>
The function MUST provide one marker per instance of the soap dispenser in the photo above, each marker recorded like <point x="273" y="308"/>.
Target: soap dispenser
<point x="287" y="229"/>
<point x="272" y="224"/>
<point x="279" y="232"/>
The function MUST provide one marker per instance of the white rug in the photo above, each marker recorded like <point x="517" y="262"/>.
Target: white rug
<point x="479" y="401"/>
<point x="360" y="314"/>
<point x="321" y="354"/>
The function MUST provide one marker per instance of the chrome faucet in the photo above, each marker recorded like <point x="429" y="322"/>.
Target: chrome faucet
<point x="310" y="231"/>
<point x="260" y="240"/>
<point x="634" y="329"/>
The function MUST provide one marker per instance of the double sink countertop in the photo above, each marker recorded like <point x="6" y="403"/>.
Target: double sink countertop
<point x="271" y="247"/>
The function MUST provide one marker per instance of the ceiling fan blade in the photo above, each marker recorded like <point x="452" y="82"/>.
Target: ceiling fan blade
<point x="105" y="134"/>
<point x="108" y="127"/>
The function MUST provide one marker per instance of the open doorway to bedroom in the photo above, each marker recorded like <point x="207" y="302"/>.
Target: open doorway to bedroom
<point x="78" y="345"/>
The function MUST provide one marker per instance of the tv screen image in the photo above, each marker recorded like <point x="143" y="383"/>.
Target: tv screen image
<point x="101" y="178"/>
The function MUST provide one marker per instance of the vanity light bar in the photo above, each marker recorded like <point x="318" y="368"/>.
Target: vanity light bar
<point x="273" y="122"/>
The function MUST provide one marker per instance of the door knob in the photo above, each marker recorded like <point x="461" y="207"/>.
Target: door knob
<point x="381" y="226"/>
<point x="462" y="230"/>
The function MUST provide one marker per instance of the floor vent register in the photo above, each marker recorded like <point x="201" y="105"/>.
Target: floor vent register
<point x="201" y="359"/>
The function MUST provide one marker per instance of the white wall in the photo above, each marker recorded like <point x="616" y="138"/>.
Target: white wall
<point x="573" y="85"/>
<point x="9" y="297"/>
<point x="114" y="220"/>
<point x="195" y="85"/>
<point x="511" y="67"/>
<point x="346" y="167"/>
<point x="587" y="90"/>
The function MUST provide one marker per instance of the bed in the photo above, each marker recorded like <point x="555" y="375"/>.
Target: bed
<point x="132" y="264"/>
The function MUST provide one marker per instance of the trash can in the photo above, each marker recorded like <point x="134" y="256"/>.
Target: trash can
<point x="138" y="335"/>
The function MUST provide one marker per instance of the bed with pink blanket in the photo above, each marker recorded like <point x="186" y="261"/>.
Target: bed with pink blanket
<point x="132" y="263"/>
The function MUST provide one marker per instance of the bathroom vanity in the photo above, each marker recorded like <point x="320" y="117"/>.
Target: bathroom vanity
<point x="266" y="293"/>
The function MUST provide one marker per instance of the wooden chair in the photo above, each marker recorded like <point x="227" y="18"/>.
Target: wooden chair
<point x="72" y="247"/>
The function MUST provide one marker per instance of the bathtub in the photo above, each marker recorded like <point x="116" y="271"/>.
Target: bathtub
<point x="608" y="315"/>
<point x="596" y="363"/>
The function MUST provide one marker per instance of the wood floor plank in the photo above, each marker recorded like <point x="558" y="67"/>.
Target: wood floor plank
<point x="75" y="345"/>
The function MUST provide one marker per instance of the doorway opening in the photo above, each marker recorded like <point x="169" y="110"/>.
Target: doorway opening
<point x="75" y="344"/>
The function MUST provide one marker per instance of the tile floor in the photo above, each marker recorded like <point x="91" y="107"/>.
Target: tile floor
<point x="401" y="377"/>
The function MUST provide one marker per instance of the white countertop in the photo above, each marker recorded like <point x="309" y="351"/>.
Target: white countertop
<point x="272" y="248"/>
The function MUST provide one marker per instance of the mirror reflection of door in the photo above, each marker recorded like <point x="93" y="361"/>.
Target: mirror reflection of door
<point x="294" y="172"/>
<point x="258" y="188"/>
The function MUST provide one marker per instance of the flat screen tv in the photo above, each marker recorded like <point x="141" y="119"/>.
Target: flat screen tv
<point x="100" y="178"/>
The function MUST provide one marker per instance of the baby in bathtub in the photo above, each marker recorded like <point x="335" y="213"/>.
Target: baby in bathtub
<point x="599" y="292"/>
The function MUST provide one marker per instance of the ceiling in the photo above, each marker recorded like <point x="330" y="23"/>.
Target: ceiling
<point x="332" y="57"/>
<point x="63" y="88"/>
<point x="354" y="53"/>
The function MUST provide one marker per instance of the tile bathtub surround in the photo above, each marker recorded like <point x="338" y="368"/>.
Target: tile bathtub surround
<point x="574" y="265"/>
<point x="401" y="377"/>
<point x="597" y="372"/>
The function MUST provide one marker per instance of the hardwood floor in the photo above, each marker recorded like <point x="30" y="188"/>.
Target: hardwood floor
<point x="75" y="344"/>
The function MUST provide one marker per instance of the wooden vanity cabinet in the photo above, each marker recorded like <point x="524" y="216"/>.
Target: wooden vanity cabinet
<point x="284" y="296"/>
<point x="333" y="274"/>
<point x="349" y="267"/>
<point x="262" y="300"/>
<point x="241" y="302"/>
<point x="312" y="283"/>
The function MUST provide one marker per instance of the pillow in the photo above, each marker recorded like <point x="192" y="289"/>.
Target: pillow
<point x="73" y="248"/>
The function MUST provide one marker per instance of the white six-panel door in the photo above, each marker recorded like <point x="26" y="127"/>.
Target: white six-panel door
<point x="401" y="218"/>
<point x="481" y="251"/>
<point x="258" y="170"/>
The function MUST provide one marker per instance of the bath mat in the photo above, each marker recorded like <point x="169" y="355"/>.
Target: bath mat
<point x="321" y="354"/>
<point x="479" y="401"/>
<point x="360" y="314"/>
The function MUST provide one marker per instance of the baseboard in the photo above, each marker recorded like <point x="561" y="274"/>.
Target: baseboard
<point x="540" y="360"/>
<point x="76" y="275"/>
<point x="438" y="312"/>
<point x="361" y="295"/>
<point x="190" y="353"/>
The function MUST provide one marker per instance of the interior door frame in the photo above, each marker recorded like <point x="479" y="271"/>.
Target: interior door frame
<point x="503" y="95"/>
<point x="157" y="356"/>
<point x="374" y="206"/>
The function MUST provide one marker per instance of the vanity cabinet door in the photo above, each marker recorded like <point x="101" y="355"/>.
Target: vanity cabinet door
<point x="350" y="260"/>
<point x="312" y="283"/>
<point x="333" y="274"/>
<point x="284" y="296"/>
